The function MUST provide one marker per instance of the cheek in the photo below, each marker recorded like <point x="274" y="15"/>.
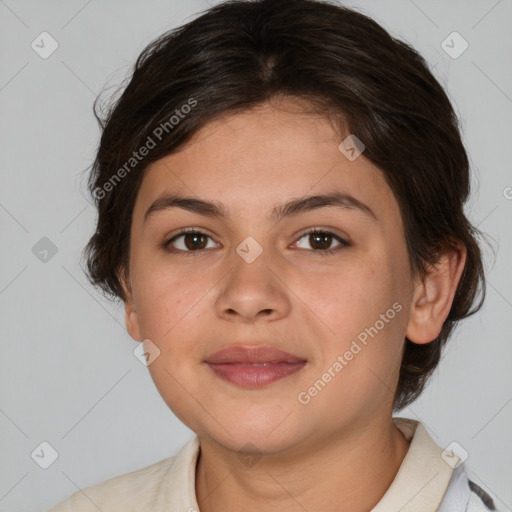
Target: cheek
<point x="167" y="302"/>
<point x="175" y="387"/>
<point x="349" y="295"/>
<point x="365" y="314"/>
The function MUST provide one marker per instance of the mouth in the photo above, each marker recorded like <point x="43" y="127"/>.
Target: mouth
<point x="253" y="366"/>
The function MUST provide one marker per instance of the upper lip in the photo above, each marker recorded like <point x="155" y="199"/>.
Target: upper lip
<point x="252" y="354"/>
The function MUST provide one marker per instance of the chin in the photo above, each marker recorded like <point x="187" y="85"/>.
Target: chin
<point x="246" y="434"/>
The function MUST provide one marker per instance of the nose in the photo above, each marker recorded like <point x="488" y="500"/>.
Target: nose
<point x="254" y="291"/>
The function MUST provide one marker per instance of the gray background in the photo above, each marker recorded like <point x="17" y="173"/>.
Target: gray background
<point x="68" y="375"/>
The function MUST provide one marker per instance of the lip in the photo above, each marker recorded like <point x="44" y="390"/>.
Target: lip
<point x="253" y="366"/>
<point x="252" y="355"/>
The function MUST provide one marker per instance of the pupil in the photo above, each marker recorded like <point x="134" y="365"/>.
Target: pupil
<point x="195" y="237"/>
<point x="319" y="237"/>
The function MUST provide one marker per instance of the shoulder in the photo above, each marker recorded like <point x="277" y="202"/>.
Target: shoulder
<point x="464" y="495"/>
<point x="128" y="492"/>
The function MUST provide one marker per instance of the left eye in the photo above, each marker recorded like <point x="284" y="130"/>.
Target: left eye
<point x="321" y="240"/>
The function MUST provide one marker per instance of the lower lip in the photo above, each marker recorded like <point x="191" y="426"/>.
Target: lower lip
<point x="251" y="376"/>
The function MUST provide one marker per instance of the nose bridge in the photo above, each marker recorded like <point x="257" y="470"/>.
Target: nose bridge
<point x="250" y="250"/>
<point x="252" y="263"/>
<point x="252" y="286"/>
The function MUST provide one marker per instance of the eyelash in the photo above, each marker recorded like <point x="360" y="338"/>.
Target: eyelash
<point x="326" y="252"/>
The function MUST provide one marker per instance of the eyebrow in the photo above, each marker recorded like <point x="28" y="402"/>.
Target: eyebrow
<point x="289" y="209"/>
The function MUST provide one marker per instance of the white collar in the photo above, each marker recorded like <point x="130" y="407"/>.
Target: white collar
<point x="423" y="476"/>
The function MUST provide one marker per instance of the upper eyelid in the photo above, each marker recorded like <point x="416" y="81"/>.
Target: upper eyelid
<point x="320" y="229"/>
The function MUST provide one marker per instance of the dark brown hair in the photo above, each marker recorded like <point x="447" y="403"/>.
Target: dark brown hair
<point x="343" y="64"/>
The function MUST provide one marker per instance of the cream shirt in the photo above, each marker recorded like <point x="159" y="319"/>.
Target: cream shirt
<point x="420" y="484"/>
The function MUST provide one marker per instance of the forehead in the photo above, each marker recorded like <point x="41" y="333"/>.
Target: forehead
<point x="261" y="157"/>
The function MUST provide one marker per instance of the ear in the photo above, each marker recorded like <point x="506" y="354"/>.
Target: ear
<point x="131" y="318"/>
<point x="433" y="296"/>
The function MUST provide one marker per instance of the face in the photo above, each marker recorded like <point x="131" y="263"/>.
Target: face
<point x="338" y="299"/>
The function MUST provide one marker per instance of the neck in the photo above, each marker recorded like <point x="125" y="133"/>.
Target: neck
<point x="342" y="473"/>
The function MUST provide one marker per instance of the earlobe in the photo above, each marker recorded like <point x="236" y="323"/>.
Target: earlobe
<point x="433" y="296"/>
<point x="131" y="318"/>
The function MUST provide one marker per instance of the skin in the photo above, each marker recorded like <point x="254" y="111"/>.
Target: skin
<point x="341" y="451"/>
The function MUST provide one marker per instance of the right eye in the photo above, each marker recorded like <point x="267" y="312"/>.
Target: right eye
<point x="193" y="240"/>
